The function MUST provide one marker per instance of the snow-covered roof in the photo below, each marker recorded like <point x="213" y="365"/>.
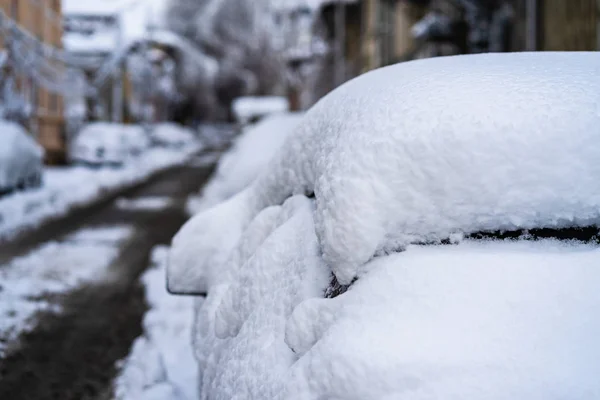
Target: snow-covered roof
<point x="82" y="7"/>
<point x="103" y="42"/>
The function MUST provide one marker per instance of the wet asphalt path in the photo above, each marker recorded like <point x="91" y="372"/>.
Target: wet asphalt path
<point x="72" y="355"/>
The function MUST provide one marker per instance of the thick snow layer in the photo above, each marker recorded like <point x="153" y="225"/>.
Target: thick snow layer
<point x="240" y="327"/>
<point x="102" y="42"/>
<point x="65" y="188"/>
<point x="425" y="150"/>
<point x="161" y="364"/>
<point x="27" y="282"/>
<point x="246" y="159"/>
<point x="245" y="108"/>
<point x="477" y="321"/>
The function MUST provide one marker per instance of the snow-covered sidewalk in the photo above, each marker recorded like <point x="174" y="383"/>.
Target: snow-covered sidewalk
<point x="161" y="364"/>
<point x="57" y="267"/>
<point x="68" y="187"/>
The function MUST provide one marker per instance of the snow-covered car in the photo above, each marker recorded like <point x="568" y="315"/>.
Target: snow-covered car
<point x="171" y="135"/>
<point x="137" y="138"/>
<point x="21" y="159"/>
<point x="250" y="109"/>
<point x="100" y="143"/>
<point x="429" y="230"/>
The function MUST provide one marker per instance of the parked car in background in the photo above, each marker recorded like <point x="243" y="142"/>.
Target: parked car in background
<point x="137" y="138"/>
<point x="251" y="109"/>
<point x="171" y="135"/>
<point x="100" y="143"/>
<point x="21" y="159"/>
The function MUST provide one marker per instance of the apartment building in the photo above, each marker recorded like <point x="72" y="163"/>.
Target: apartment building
<point x="41" y="20"/>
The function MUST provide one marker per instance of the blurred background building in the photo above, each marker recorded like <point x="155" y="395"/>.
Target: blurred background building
<point x="31" y="30"/>
<point x="63" y="65"/>
<point x="368" y="34"/>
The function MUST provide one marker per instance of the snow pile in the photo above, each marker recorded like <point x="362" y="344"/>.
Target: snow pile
<point x="65" y="188"/>
<point x="247" y="158"/>
<point x="493" y="320"/>
<point x="161" y="364"/>
<point x="240" y="328"/>
<point x="27" y="283"/>
<point x="246" y="108"/>
<point x="423" y="151"/>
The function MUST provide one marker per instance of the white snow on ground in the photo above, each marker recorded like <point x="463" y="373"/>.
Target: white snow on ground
<point x="65" y="188"/>
<point x="161" y="364"/>
<point x="247" y="158"/>
<point x="144" y="203"/>
<point x="491" y="320"/>
<point x="51" y="269"/>
<point x="425" y="150"/>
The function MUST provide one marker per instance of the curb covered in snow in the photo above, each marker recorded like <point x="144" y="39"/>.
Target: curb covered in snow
<point x="22" y="213"/>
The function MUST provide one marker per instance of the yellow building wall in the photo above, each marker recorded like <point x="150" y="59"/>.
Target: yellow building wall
<point x="41" y="18"/>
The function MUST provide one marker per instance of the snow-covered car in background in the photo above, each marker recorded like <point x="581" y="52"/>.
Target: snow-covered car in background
<point x="370" y="260"/>
<point x="21" y="159"/>
<point x="250" y="109"/>
<point x="137" y="138"/>
<point x="100" y="143"/>
<point x="171" y="135"/>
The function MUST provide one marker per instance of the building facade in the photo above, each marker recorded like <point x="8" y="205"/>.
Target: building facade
<point x="41" y="23"/>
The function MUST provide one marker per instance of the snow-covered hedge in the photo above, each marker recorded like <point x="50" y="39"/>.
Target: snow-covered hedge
<point x="410" y="154"/>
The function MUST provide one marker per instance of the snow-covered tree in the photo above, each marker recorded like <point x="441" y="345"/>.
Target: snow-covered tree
<point x="239" y="35"/>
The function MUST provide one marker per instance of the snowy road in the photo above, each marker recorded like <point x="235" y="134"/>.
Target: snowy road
<point x="68" y="342"/>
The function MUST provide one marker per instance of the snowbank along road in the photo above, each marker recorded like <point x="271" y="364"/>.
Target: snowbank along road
<point x="68" y="332"/>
